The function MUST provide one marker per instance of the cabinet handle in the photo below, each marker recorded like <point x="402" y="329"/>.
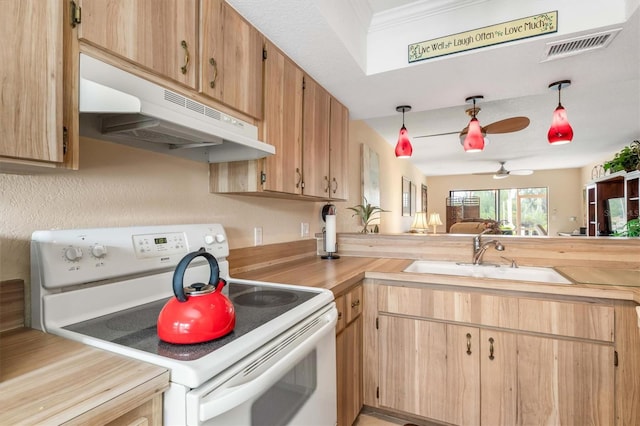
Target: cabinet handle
<point x="336" y="188"/>
<point x="491" y="357"/>
<point x="468" y="344"/>
<point x="328" y="185"/>
<point x="212" y="83"/>
<point x="339" y="315"/>
<point x="299" y="175"/>
<point x="185" y="67"/>
<point x="355" y="304"/>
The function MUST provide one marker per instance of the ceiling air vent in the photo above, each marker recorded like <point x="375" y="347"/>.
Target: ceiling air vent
<point x="574" y="46"/>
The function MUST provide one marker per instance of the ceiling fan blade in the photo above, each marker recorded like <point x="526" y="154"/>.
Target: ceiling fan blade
<point x="435" y="134"/>
<point x="523" y="172"/>
<point x="507" y="125"/>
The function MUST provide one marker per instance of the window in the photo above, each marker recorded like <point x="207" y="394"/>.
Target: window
<point x="520" y="211"/>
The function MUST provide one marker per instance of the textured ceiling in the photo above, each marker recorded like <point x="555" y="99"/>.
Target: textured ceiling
<point x="357" y="49"/>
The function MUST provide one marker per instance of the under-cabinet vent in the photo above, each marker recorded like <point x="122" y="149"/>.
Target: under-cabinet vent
<point x="200" y="108"/>
<point x="574" y="46"/>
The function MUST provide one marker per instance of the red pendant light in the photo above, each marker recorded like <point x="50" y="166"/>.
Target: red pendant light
<point x="474" y="142"/>
<point x="403" y="147"/>
<point x="560" y="131"/>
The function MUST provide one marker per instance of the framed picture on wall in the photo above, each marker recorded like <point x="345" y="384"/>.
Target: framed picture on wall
<point x="413" y="198"/>
<point x="423" y="197"/>
<point x="406" y="197"/>
<point x="370" y="176"/>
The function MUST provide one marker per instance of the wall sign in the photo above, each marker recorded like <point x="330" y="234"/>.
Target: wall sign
<point x="532" y="26"/>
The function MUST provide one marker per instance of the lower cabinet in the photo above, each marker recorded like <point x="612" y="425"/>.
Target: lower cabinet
<point x="349" y="356"/>
<point x="466" y="358"/>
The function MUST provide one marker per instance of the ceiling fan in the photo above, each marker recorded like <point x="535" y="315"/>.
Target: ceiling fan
<point x="503" y="173"/>
<point x="508" y="125"/>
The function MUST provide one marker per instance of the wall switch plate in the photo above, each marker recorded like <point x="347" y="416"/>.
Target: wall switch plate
<point x="304" y="229"/>
<point x="257" y="236"/>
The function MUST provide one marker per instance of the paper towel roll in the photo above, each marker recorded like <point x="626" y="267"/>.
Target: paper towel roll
<point x="330" y="234"/>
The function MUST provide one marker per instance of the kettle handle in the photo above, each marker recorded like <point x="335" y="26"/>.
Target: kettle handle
<point x="178" y="275"/>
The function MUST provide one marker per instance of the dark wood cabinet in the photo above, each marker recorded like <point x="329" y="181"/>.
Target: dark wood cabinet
<point x="599" y="194"/>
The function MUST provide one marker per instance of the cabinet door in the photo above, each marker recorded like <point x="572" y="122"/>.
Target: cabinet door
<point x="160" y="35"/>
<point x="282" y="124"/>
<point x="315" y="139"/>
<point x="231" y="58"/>
<point x="430" y="369"/>
<point x="31" y="80"/>
<point x="339" y="150"/>
<point x="499" y="383"/>
<point x="349" y="345"/>
<point x="529" y="380"/>
<point x="564" y="382"/>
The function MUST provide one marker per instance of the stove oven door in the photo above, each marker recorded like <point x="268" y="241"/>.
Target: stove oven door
<point x="290" y="381"/>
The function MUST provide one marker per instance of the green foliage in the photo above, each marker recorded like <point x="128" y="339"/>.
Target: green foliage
<point x="631" y="229"/>
<point x="626" y="159"/>
<point x="366" y="213"/>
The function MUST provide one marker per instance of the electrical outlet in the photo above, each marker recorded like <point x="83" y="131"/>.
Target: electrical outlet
<point x="257" y="236"/>
<point x="304" y="229"/>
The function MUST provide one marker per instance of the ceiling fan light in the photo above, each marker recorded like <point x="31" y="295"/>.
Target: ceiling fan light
<point x="560" y="131"/>
<point x="403" y="146"/>
<point x="474" y="142"/>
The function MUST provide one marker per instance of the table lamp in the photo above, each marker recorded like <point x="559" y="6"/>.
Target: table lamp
<point x="434" y="220"/>
<point x="419" y="224"/>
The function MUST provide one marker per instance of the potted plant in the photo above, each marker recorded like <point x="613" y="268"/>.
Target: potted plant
<point x="366" y="214"/>
<point x="627" y="159"/>
<point x="631" y="229"/>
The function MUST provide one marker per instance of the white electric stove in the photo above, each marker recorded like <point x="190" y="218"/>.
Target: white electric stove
<point x="105" y="287"/>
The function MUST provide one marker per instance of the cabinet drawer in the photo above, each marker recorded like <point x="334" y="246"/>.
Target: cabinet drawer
<point x="477" y="308"/>
<point x="573" y="319"/>
<point x="353" y="303"/>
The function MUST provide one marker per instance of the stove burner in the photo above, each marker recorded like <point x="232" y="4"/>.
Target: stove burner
<point x="265" y="298"/>
<point x="141" y="319"/>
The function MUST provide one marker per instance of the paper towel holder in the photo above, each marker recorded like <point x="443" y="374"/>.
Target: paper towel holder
<point x="328" y="210"/>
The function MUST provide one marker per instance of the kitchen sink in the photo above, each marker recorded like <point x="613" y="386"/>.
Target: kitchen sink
<point x="522" y="273"/>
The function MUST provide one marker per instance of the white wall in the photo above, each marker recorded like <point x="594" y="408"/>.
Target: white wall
<point x="122" y="186"/>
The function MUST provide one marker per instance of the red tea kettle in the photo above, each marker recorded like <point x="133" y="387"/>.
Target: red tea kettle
<point x="203" y="314"/>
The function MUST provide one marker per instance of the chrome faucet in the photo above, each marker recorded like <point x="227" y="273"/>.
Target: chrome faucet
<point x="479" y="247"/>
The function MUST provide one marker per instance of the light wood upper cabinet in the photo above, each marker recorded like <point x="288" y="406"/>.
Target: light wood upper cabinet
<point x="339" y="151"/>
<point x="282" y="123"/>
<point x="315" y="136"/>
<point x="36" y="78"/>
<point x="159" y="35"/>
<point x="231" y="58"/>
<point x="325" y="143"/>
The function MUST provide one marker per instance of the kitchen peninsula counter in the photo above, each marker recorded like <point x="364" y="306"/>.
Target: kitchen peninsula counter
<point x="338" y="275"/>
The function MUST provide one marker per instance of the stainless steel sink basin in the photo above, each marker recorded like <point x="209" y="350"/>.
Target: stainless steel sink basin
<point x="523" y="273"/>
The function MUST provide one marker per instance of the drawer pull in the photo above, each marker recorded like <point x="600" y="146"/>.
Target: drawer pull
<point x="355" y="304"/>
<point x="185" y="67"/>
<point x="468" y="344"/>
<point x="491" y="357"/>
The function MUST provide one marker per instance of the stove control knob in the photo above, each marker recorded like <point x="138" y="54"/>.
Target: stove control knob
<point x="99" y="251"/>
<point x="220" y="238"/>
<point x="208" y="239"/>
<point x="73" y="254"/>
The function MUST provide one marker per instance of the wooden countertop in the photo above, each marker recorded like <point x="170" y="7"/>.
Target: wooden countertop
<point x="46" y="379"/>
<point x="340" y="274"/>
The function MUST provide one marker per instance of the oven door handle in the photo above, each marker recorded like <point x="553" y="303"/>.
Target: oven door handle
<point x="262" y="372"/>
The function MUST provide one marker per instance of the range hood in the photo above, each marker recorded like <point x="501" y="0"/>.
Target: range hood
<point x="120" y="107"/>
